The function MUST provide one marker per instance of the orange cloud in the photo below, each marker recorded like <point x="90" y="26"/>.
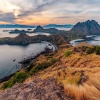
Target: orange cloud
<point x="1" y="22"/>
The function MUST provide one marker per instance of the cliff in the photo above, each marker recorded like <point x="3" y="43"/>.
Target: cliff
<point x="90" y="27"/>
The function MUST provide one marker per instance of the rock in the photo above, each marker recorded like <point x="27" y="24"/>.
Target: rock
<point x="90" y="27"/>
<point x="37" y="90"/>
<point x="49" y="30"/>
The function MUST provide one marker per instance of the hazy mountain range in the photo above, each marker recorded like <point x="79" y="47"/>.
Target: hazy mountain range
<point x="59" y="26"/>
<point x="33" y="26"/>
<point x="15" y="26"/>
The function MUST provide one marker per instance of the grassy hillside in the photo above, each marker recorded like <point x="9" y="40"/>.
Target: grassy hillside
<point x="74" y="67"/>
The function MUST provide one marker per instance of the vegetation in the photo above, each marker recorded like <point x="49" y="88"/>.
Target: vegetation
<point x="40" y="67"/>
<point x="79" y="74"/>
<point x="53" y="60"/>
<point x="73" y="79"/>
<point x="68" y="53"/>
<point x="43" y="66"/>
<point x="94" y="49"/>
<point x="29" y="67"/>
<point x="19" y="77"/>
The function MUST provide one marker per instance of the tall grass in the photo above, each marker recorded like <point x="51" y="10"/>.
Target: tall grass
<point x="90" y="90"/>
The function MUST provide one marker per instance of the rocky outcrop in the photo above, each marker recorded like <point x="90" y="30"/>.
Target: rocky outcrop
<point x="49" y="30"/>
<point x="90" y="27"/>
<point x="37" y="90"/>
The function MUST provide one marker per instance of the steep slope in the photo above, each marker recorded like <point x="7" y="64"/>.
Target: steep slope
<point x="90" y="27"/>
<point x="72" y="68"/>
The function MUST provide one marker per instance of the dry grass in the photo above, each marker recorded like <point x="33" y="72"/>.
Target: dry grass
<point x="90" y="90"/>
<point x="76" y="92"/>
<point x="85" y="92"/>
<point x="71" y="75"/>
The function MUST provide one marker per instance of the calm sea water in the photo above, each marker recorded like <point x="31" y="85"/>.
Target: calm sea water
<point x="6" y="34"/>
<point x="11" y="55"/>
<point x="94" y="41"/>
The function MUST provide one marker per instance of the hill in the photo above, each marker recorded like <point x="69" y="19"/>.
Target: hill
<point x="49" y="30"/>
<point x="24" y="39"/>
<point x="70" y="73"/>
<point x="90" y="27"/>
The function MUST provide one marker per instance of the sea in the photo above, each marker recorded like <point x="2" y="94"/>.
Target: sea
<point x="11" y="55"/>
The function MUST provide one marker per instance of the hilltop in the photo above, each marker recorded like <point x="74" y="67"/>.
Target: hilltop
<point x="70" y="73"/>
<point x="90" y="27"/>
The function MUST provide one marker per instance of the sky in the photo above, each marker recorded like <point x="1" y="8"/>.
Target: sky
<point x="42" y="12"/>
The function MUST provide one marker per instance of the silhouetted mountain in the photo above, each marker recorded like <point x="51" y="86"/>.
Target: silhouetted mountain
<point x="90" y="27"/>
<point x="58" y="26"/>
<point x="15" y="26"/>
<point x="49" y="30"/>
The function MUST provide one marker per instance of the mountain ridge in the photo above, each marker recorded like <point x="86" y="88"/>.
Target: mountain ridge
<point x="90" y="27"/>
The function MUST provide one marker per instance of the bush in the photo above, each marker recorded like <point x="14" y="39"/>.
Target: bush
<point x="40" y="67"/>
<point x="97" y="51"/>
<point x="53" y="60"/>
<point x="29" y="67"/>
<point x="90" y="50"/>
<point x="19" y="77"/>
<point x="43" y="65"/>
<point x="68" y="53"/>
<point x="94" y="49"/>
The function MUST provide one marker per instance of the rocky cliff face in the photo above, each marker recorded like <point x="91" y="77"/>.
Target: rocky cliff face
<point x="90" y="27"/>
<point x="37" y="90"/>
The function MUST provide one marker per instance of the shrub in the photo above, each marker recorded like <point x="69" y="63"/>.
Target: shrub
<point x="97" y="51"/>
<point x="43" y="66"/>
<point x="53" y="60"/>
<point x="40" y="67"/>
<point x="94" y="49"/>
<point x="68" y="53"/>
<point x="19" y="77"/>
<point x="90" y="50"/>
<point x="29" y="67"/>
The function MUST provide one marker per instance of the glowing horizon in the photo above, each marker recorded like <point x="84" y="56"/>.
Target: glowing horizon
<point x="42" y="12"/>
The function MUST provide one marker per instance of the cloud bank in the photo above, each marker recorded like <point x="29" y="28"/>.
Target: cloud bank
<point x="42" y="12"/>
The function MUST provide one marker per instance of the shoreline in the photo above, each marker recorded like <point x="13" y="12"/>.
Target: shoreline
<point x="26" y="62"/>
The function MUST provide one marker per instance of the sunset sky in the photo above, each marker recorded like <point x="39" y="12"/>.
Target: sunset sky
<point x="41" y="12"/>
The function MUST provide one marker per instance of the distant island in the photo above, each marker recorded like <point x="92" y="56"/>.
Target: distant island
<point x="79" y="31"/>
